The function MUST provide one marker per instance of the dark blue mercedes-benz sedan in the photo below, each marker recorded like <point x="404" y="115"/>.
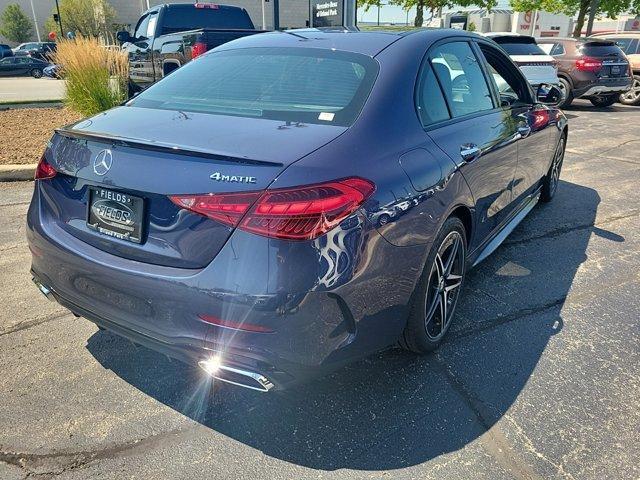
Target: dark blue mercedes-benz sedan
<point x="293" y="201"/>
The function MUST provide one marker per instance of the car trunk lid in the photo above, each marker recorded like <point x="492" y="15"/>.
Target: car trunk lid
<point x="130" y="173"/>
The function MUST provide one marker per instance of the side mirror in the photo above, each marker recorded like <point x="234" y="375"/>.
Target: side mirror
<point x="123" y="36"/>
<point x="549" y="94"/>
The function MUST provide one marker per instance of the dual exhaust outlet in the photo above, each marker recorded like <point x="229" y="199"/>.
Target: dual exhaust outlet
<point x="214" y="367"/>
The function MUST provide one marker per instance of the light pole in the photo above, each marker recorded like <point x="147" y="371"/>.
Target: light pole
<point x="35" y="20"/>
<point x="59" y="19"/>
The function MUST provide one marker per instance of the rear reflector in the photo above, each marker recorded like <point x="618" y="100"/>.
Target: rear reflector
<point x="44" y="170"/>
<point x="198" y="49"/>
<point x="299" y="213"/>
<point x="588" y="64"/>
<point x="247" y="327"/>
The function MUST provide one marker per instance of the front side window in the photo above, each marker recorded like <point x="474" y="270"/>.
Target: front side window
<point x="511" y="86"/>
<point x="141" y="28"/>
<point x="461" y="78"/>
<point x="151" y="25"/>
<point x="290" y="84"/>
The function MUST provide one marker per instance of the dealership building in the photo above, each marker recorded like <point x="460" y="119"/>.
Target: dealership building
<point x="274" y="13"/>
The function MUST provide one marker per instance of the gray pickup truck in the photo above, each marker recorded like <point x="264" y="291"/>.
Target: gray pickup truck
<point x="168" y="36"/>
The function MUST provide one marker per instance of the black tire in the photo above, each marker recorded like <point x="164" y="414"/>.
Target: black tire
<point x="36" y="73"/>
<point x="424" y="332"/>
<point x="552" y="178"/>
<point x="604" y="100"/>
<point x="632" y="97"/>
<point x="567" y="92"/>
<point x="384" y="219"/>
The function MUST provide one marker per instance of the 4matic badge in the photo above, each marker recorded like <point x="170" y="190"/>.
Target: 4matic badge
<point x="219" y="177"/>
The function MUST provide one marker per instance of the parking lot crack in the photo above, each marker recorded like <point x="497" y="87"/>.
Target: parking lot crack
<point x="571" y="228"/>
<point x="53" y="464"/>
<point x="493" y="440"/>
<point x="501" y="320"/>
<point x="34" y="323"/>
<point x="529" y="445"/>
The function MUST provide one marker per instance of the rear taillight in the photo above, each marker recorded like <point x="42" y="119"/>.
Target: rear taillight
<point x="300" y="213"/>
<point x="44" y="170"/>
<point x="198" y="49"/>
<point x="588" y="64"/>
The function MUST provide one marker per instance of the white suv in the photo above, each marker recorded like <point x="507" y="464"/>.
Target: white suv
<point x="536" y="65"/>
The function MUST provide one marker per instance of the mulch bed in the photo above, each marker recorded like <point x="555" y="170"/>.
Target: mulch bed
<point x="24" y="132"/>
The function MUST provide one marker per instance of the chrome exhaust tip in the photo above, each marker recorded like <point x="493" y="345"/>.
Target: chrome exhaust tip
<point x="46" y="291"/>
<point x="254" y="381"/>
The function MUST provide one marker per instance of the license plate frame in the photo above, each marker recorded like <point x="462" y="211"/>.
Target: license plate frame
<point x="116" y="214"/>
<point x="616" y="71"/>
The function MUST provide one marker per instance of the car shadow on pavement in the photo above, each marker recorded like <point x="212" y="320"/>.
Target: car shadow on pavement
<point x="394" y="410"/>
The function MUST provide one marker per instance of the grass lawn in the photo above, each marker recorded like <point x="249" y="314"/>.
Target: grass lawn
<point x="25" y="132"/>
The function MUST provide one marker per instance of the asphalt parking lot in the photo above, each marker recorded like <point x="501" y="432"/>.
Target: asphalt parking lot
<point x="540" y="377"/>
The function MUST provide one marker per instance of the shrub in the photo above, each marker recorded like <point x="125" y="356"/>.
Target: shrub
<point x="96" y="75"/>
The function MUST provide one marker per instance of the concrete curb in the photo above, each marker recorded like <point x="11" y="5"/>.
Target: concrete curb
<point x="14" y="173"/>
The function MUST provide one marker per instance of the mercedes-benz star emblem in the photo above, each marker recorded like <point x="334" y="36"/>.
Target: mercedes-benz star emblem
<point x="102" y="162"/>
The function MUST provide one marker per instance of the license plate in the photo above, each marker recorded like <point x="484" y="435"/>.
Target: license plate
<point x="615" y="70"/>
<point x="116" y="214"/>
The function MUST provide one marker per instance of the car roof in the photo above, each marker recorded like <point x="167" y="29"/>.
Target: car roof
<point x="346" y="39"/>
<point x="616" y="35"/>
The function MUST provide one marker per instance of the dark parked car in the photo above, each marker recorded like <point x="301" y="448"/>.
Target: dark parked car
<point x="226" y="216"/>
<point x="23" y="48"/>
<point x="18" y="66"/>
<point x="5" y="51"/>
<point x="39" y="50"/>
<point x="168" y="36"/>
<point x="589" y="68"/>
<point x="629" y="42"/>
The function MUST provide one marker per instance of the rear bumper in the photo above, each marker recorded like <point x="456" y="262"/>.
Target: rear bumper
<point x="608" y="88"/>
<point x="321" y="314"/>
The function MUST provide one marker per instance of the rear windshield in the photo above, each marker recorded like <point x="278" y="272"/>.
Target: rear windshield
<point x="307" y="85"/>
<point x="600" y="49"/>
<point x="178" y="18"/>
<point x="521" y="48"/>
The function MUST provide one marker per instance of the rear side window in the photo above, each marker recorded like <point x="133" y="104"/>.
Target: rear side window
<point x="628" y="45"/>
<point x="306" y="85"/>
<point x="461" y="78"/>
<point x="177" y="18"/>
<point x="431" y="105"/>
<point x="552" y="48"/>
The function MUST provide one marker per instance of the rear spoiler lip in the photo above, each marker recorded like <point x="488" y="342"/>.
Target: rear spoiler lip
<point x="160" y="147"/>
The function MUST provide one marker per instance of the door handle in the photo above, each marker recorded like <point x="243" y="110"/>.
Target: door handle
<point x="469" y="152"/>
<point x="524" y="131"/>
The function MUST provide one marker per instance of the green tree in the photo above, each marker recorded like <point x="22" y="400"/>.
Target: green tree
<point x="89" y="18"/>
<point x="419" y="5"/>
<point x="14" y="24"/>
<point x="432" y="6"/>
<point x="610" y="8"/>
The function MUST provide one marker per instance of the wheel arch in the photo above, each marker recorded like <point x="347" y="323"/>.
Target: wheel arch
<point x="463" y="213"/>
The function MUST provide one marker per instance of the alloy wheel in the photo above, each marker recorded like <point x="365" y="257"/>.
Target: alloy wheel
<point x="632" y="97"/>
<point x="444" y="284"/>
<point x="556" y="166"/>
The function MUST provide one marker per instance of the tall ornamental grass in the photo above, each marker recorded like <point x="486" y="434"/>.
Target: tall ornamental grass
<point x="96" y="75"/>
